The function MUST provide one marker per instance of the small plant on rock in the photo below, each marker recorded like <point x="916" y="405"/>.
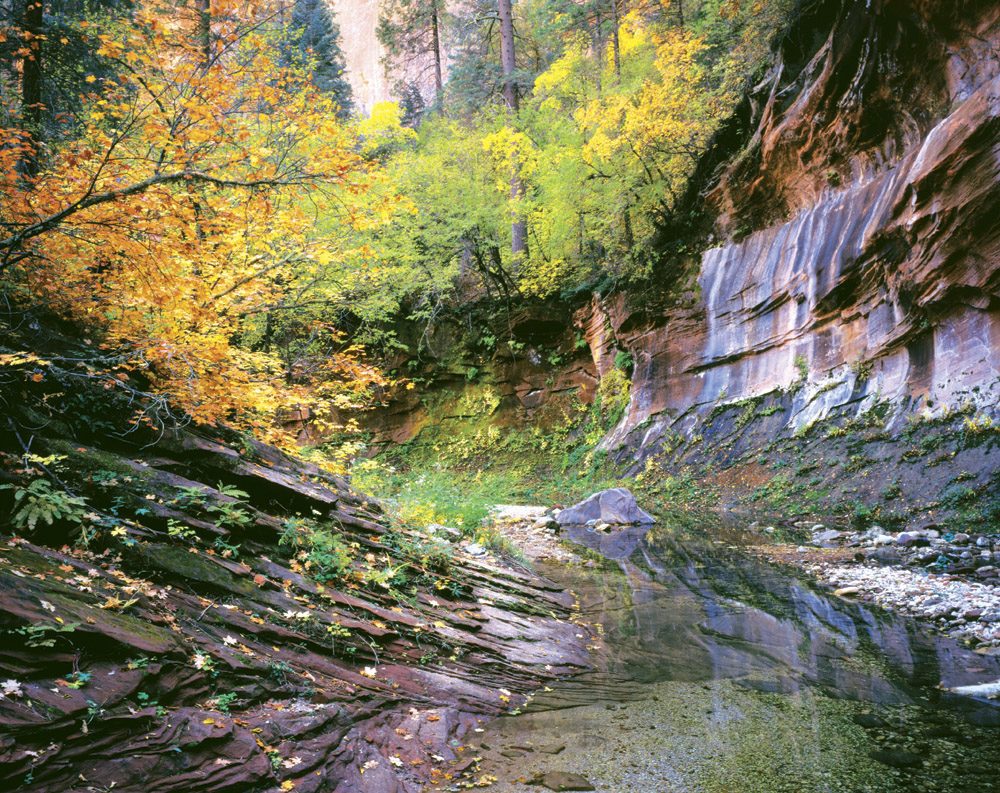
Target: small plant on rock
<point x="39" y="501"/>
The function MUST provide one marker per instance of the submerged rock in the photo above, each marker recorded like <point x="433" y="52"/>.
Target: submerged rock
<point x="616" y="506"/>
<point x="564" y="780"/>
<point x="895" y="758"/>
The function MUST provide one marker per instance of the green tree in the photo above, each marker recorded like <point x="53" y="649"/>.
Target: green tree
<point x="316" y="35"/>
<point x="413" y="30"/>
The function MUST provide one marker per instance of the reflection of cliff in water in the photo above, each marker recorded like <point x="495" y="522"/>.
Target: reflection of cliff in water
<point x="698" y="610"/>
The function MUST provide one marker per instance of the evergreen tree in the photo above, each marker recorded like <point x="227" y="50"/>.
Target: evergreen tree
<point x="414" y="29"/>
<point x="317" y="36"/>
<point x="45" y="59"/>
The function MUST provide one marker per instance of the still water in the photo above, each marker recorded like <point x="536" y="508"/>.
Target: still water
<point x="717" y="672"/>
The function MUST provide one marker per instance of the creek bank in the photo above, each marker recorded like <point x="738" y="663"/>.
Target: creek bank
<point x="948" y="579"/>
<point x="207" y="613"/>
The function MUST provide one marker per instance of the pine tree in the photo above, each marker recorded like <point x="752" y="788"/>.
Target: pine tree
<point x="414" y="30"/>
<point x="317" y="36"/>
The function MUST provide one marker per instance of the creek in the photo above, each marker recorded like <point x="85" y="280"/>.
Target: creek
<point x="716" y="671"/>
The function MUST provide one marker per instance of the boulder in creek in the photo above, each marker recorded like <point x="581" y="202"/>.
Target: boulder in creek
<point x="616" y="506"/>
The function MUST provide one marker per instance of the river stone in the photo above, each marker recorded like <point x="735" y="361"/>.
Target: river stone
<point x="564" y="780"/>
<point x="518" y="512"/>
<point x="616" y="506"/>
<point x="437" y="528"/>
<point x="896" y="758"/>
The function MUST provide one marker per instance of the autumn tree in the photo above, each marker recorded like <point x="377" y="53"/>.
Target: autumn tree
<point x="186" y="207"/>
<point x="43" y="61"/>
<point x="607" y="139"/>
<point x="519" y="227"/>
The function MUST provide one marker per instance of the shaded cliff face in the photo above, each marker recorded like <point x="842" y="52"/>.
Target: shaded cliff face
<point x="880" y="154"/>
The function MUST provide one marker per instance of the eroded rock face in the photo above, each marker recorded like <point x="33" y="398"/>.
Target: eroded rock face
<point x="883" y="283"/>
<point x="856" y="257"/>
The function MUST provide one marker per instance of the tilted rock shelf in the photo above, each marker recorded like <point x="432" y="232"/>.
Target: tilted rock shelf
<point x="158" y="661"/>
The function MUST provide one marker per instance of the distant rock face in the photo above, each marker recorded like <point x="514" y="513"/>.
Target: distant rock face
<point x="363" y="53"/>
<point x="616" y="506"/>
<point x="364" y="56"/>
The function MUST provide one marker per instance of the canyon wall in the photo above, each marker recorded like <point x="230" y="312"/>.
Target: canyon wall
<point x="363" y="53"/>
<point x="364" y="57"/>
<point x="878" y="275"/>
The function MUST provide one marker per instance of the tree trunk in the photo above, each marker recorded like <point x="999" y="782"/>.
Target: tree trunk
<point x="204" y="11"/>
<point x="31" y="82"/>
<point x="616" y="15"/>
<point x="519" y="229"/>
<point x="615" y="42"/>
<point x="507" y="62"/>
<point x="436" y="43"/>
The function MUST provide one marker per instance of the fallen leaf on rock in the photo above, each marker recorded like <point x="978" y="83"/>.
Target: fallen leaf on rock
<point x="11" y="688"/>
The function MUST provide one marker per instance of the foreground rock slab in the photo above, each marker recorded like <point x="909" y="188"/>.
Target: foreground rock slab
<point x="201" y="639"/>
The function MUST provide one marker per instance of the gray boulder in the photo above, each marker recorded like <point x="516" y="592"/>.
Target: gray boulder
<point x="826" y="538"/>
<point x="616" y="506"/>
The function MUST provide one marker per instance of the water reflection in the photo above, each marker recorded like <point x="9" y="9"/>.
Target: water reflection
<point x="719" y="672"/>
<point x="683" y="608"/>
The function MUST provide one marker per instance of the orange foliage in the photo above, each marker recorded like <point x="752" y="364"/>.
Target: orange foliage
<point x="186" y="205"/>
